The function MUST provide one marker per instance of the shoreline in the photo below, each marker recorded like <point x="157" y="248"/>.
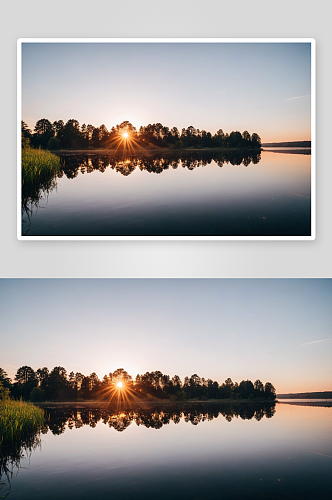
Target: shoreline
<point x="175" y="152"/>
<point x="154" y="401"/>
<point x="298" y="151"/>
<point x="113" y="152"/>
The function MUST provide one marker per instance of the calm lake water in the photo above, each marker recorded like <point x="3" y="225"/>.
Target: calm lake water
<point x="199" y="194"/>
<point x="201" y="451"/>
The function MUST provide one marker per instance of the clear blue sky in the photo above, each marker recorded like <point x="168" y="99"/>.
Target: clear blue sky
<point x="259" y="87"/>
<point x="278" y="330"/>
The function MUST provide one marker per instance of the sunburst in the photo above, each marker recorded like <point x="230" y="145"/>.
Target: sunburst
<point x="126" y="141"/>
<point x="119" y="391"/>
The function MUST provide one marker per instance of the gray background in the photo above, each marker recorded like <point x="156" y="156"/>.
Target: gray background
<point x="77" y="18"/>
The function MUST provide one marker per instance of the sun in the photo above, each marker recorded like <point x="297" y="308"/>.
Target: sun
<point x="125" y="138"/>
<point x="119" y="388"/>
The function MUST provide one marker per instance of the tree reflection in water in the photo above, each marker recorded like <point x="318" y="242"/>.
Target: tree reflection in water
<point x="153" y="416"/>
<point x="66" y="417"/>
<point x="33" y="195"/>
<point x="11" y="454"/>
<point x="72" y="164"/>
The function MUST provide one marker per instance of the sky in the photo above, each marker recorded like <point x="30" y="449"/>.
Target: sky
<point x="277" y="330"/>
<point x="259" y="87"/>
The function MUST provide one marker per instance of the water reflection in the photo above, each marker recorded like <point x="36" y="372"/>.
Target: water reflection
<point x="11" y="455"/>
<point x="287" y="456"/>
<point x="201" y="193"/>
<point x="72" y="165"/>
<point x="33" y="194"/>
<point x="153" y="416"/>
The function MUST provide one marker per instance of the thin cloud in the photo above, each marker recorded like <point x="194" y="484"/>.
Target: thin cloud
<point x="316" y="342"/>
<point x="299" y="97"/>
<point x="322" y="454"/>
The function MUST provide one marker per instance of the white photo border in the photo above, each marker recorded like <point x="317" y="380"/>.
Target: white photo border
<point x="312" y="41"/>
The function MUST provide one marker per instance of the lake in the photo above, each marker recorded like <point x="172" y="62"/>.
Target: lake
<point x="202" y="193"/>
<point x="197" y="451"/>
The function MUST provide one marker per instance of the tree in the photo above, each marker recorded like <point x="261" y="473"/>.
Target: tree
<point x="269" y="391"/>
<point x="177" y="384"/>
<point x="4" y="379"/>
<point x="125" y="126"/>
<point x="103" y="136"/>
<point x="226" y="389"/>
<point x="72" y="385"/>
<point x="4" y="392"/>
<point x="43" y="132"/>
<point x="26" y="380"/>
<point x="173" y="136"/>
<point x="88" y="135"/>
<point x="78" y="379"/>
<point x="165" y="383"/>
<point x="212" y="389"/>
<point x="256" y="141"/>
<point x="245" y="389"/>
<point x="246" y="139"/>
<point x="120" y="375"/>
<point x="58" y="127"/>
<point x="105" y="382"/>
<point x="95" y="139"/>
<point x="24" y="375"/>
<point x="206" y="139"/>
<point x="43" y="127"/>
<point x="53" y="144"/>
<point x="85" y="388"/>
<point x="259" y="389"/>
<point x="190" y="136"/>
<point x="235" y="139"/>
<point x="94" y="385"/>
<point x="57" y="383"/>
<point x="218" y="138"/>
<point x="37" y="394"/>
<point x="26" y="134"/>
<point x="42" y="377"/>
<point x="193" y="386"/>
<point x="72" y="136"/>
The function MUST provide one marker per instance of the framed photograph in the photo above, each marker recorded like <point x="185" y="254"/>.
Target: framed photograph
<point x="166" y="139"/>
<point x="209" y="389"/>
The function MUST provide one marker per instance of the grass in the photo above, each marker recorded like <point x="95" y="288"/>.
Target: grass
<point x="39" y="172"/>
<point x="20" y="425"/>
<point x="18" y="418"/>
<point x="38" y="165"/>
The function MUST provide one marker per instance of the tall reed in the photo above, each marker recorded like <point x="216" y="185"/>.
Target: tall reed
<point x="18" y="418"/>
<point x="38" y="166"/>
<point x="39" y="173"/>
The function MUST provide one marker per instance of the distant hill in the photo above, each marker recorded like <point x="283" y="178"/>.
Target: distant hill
<point x="307" y="395"/>
<point x="298" y="144"/>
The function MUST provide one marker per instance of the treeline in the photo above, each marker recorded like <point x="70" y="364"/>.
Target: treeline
<point x="307" y="395"/>
<point x="57" y="385"/>
<point x="71" y="135"/>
